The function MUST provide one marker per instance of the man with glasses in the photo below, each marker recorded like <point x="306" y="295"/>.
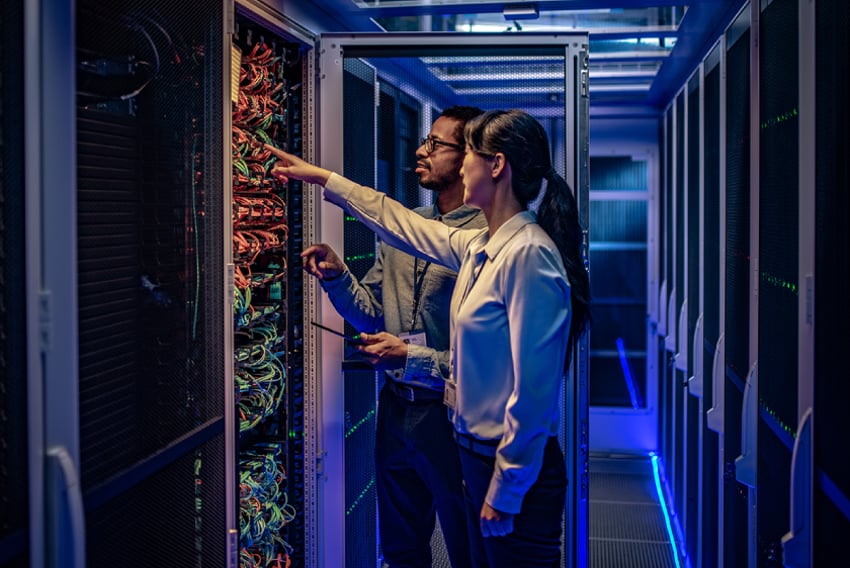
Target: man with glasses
<point x="401" y="308"/>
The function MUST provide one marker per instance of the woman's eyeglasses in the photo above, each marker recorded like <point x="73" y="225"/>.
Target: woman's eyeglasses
<point x="431" y="144"/>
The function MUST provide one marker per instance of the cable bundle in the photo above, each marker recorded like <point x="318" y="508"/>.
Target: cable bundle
<point x="260" y="382"/>
<point x="264" y="508"/>
<point x="249" y="244"/>
<point x="251" y="161"/>
<point x="260" y="242"/>
<point x="258" y="209"/>
<point x="256" y="119"/>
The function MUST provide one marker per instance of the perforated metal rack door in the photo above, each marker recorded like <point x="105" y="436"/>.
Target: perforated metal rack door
<point x="150" y="218"/>
<point x="710" y="308"/>
<point x="737" y="321"/>
<point x="778" y="266"/>
<point x="832" y="269"/>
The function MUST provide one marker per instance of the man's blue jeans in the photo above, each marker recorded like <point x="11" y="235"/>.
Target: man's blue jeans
<point x="418" y="473"/>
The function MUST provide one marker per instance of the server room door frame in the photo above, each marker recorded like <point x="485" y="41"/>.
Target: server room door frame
<point x="568" y="131"/>
<point x="56" y="524"/>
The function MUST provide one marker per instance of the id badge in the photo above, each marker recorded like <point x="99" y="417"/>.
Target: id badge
<point x="413" y="337"/>
<point x="450" y="394"/>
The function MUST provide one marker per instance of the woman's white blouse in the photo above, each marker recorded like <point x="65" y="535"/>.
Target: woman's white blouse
<point x="510" y="318"/>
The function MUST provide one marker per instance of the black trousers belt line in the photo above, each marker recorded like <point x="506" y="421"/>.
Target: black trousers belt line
<point x="485" y="448"/>
<point x="412" y="393"/>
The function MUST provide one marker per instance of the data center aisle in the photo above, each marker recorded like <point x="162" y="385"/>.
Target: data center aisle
<point x="627" y="521"/>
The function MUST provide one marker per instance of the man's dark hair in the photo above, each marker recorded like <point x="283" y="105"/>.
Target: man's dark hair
<point x="461" y="114"/>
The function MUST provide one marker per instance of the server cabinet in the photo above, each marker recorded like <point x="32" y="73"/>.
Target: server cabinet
<point x="167" y="420"/>
<point x="678" y="309"/>
<point x="829" y="474"/>
<point x="777" y="272"/>
<point x="270" y="97"/>
<point x="733" y="350"/>
<point x="818" y="502"/>
<point x="707" y="333"/>
<point x="689" y="315"/>
<point x="446" y="69"/>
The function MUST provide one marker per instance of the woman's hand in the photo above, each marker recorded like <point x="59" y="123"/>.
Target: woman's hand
<point x="495" y="523"/>
<point x="290" y="166"/>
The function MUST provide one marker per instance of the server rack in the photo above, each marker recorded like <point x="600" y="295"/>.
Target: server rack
<point x="707" y="335"/>
<point x="778" y="271"/>
<point x="665" y="267"/>
<point x="733" y="349"/>
<point x="688" y="323"/>
<point x="130" y="332"/>
<point x="267" y="107"/>
<point x="678" y="313"/>
<point x="830" y="478"/>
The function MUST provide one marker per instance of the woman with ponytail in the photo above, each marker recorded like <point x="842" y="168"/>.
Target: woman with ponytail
<point x="519" y="305"/>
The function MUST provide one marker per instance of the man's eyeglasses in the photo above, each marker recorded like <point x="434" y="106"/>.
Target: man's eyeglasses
<point x="431" y="144"/>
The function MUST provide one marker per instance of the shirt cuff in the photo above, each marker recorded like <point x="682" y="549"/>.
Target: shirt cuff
<point x="337" y="189"/>
<point x="419" y="362"/>
<point x="503" y="496"/>
<point x="341" y="281"/>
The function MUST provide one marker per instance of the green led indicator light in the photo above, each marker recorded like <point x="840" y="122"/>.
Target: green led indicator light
<point x="360" y="423"/>
<point x="359" y="257"/>
<point x="780" y="118"/>
<point x="773" y="414"/>
<point x="360" y="497"/>
<point x="777" y="282"/>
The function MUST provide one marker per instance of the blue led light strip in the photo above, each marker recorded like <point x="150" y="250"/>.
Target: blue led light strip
<point x="658" y="489"/>
<point x="627" y="373"/>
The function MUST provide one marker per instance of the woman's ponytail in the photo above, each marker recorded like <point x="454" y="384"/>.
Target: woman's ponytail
<point x="558" y="216"/>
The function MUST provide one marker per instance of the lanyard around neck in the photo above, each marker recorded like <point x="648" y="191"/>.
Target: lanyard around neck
<point x="418" y="282"/>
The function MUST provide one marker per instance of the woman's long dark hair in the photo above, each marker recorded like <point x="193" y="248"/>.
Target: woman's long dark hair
<point x="523" y="141"/>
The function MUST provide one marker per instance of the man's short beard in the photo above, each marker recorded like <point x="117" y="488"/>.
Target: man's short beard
<point x="434" y="185"/>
